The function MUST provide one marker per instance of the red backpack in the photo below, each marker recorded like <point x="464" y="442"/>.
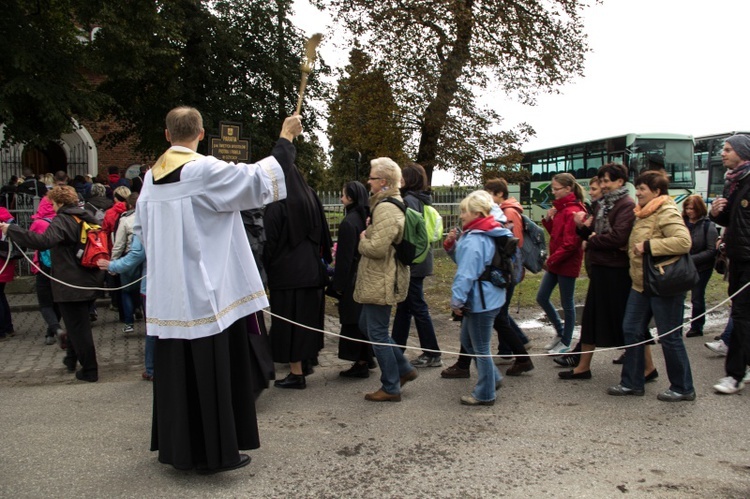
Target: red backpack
<point x="92" y="246"/>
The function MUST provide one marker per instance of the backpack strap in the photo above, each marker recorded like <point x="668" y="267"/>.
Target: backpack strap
<point x="398" y="203"/>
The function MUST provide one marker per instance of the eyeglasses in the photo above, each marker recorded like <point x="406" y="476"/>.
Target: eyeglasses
<point x="375" y="178"/>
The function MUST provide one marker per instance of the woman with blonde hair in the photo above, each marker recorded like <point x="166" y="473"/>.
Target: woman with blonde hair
<point x="475" y="300"/>
<point x="382" y="280"/>
<point x="565" y="258"/>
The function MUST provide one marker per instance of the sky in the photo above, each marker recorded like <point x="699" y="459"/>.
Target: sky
<point x="670" y="66"/>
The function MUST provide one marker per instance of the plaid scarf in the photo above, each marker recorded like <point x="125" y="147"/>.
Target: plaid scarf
<point x="732" y="179"/>
<point x="601" y="223"/>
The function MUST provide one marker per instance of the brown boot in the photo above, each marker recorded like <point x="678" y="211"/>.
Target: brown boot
<point x="381" y="396"/>
<point x="519" y="367"/>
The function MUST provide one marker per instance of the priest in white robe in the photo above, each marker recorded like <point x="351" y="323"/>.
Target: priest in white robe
<point x="202" y="283"/>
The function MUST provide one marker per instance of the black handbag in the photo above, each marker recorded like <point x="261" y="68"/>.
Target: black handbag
<point x="668" y="275"/>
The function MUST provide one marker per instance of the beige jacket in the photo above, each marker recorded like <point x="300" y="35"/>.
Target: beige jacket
<point x="667" y="235"/>
<point x="381" y="278"/>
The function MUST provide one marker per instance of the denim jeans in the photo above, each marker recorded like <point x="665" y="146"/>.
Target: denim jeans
<point x="476" y="337"/>
<point x="126" y="308"/>
<point x="698" y="300"/>
<point x="726" y="336"/>
<point x="567" y="299"/>
<point x="414" y="305"/>
<point x="374" y="322"/>
<point x="667" y="313"/>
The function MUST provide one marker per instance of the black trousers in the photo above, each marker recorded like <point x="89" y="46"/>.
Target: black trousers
<point x="738" y="356"/>
<point x="80" y="340"/>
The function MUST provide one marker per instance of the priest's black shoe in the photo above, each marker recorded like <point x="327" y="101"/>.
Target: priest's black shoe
<point x="244" y="461"/>
<point x="574" y="375"/>
<point x="291" y="381"/>
<point x="91" y="378"/>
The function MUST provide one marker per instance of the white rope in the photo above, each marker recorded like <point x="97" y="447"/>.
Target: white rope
<point x="374" y="343"/>
<point x="87" y="288"/>
<point x="441" y="352"/>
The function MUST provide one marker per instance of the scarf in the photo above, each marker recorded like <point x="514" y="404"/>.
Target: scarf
<point x="605" y="204"/>
<point x="732" y="179"/>
<point x="482" y="223"/>
<point x="651" y="206"/>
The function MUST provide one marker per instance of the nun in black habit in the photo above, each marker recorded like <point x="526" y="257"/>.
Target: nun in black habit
<point x="296" y="253"/>
<point x="356" y="199"/>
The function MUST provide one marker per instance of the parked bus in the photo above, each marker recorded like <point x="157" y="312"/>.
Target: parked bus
<point x="709" y="171"/>
<point x="636" y="151"/>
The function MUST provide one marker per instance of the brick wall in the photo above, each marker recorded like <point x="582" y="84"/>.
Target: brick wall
<point x="122" y="155"/>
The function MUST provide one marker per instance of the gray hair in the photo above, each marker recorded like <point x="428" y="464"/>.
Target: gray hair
<point x="388" y="170"/>
<point x="98" y="190"/>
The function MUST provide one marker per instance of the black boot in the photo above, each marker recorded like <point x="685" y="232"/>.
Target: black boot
<point x="291" y="381"/>
<point x="356" y="371"/>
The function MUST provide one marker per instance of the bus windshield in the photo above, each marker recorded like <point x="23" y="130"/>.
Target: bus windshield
<point x="676" y="156"/>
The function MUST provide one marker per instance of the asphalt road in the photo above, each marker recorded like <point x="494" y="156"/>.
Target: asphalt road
<point x="543" y="438"/>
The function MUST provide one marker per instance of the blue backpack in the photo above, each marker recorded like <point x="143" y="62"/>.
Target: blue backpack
<point x="45" y="257"/>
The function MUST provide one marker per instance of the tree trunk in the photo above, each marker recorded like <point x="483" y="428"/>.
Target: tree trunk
<point x="434" y="117"/>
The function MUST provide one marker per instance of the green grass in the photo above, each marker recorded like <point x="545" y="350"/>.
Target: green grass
<point x="437" y="288"/>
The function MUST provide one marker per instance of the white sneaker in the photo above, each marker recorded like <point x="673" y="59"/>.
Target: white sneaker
<point x="718" y="347"/>
<point x="559" y="349"/>
<point x="728" y="385"/>
<point x="552" y="344"/>
<point x="746" y="379"/>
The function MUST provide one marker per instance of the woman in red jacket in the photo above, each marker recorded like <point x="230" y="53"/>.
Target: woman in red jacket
<point x="565" y="258"/>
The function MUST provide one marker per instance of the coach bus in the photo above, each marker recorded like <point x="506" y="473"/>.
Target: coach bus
<point x="636" y="151"/>
<point x="709" y="171"/>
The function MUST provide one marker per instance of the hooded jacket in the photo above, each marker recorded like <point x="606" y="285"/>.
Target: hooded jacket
<point x="513" y="211"/>
<point x="39" y="224"/>
<point x="472" y="253"/>
<point x="416" y="201"/>
<point x="62" y="237"/>
<point x="565" y="249"/>
<point x="112" y="216"/>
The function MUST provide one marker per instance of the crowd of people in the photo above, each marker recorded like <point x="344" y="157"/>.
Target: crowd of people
<point x="224" y="241"/>
<point x="103" y="198"/>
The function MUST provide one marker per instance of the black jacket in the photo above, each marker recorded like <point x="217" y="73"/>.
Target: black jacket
<point x="416" y="201"/>
<point x="703" y="251"/>
<point x="61" y="236"/>
<point x="736" y="219"/>
<point x="347" y="261"/>
<point x="32" y="187"/>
